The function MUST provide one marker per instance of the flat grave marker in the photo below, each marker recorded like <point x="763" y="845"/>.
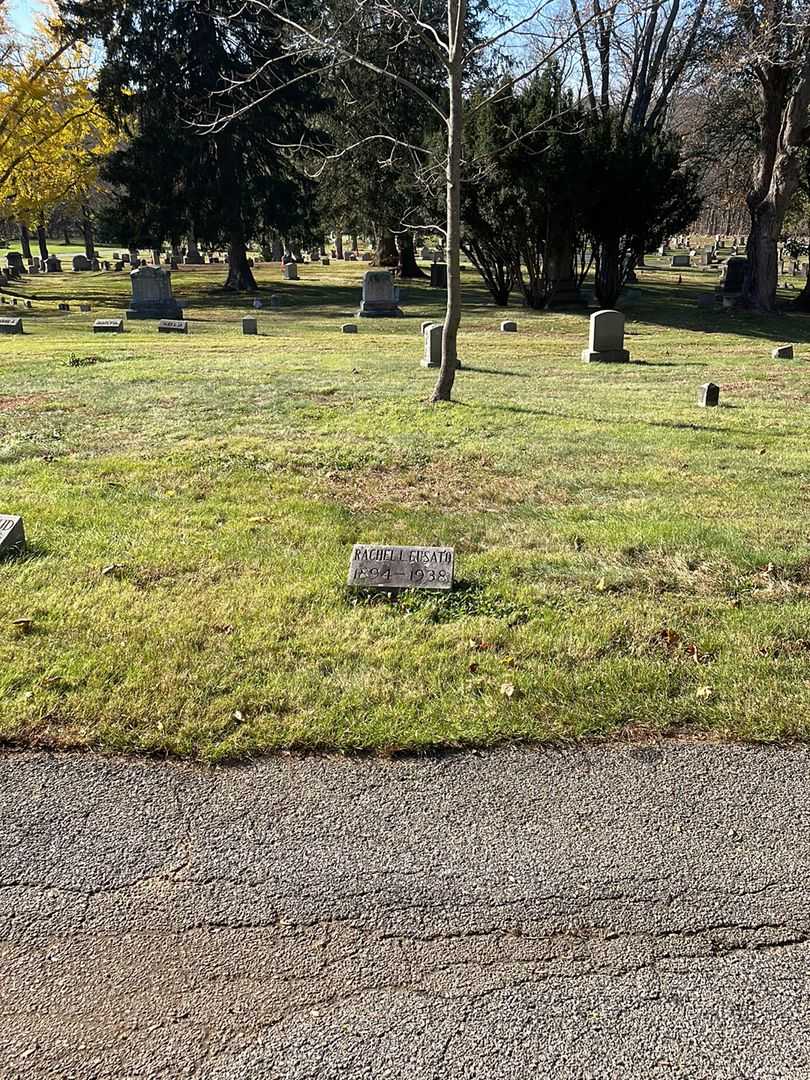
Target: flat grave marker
<point x="173" y="326"/>
<point x="373" y="566"/>
<point x="108" y="326"/>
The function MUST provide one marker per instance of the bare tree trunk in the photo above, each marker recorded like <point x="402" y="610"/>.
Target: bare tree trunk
<point x="408" y="267"/>
<point x="456" y="12"/>
<point x="87" y="229"/>
<point x="785" y="98"/>
<point x="802" y="301"/>
<point x="386" y="254"/>
<point x="354" y="242"/>
<point x="762" y="276"/>
<point x="339" y="241"/>
<point x="240" y="276"/>
<point x="42" y="240"/>
<point x="66" y="234"/>
<point x="25" y="241"/>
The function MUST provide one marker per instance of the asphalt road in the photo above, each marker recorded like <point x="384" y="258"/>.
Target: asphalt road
<point x="617" y="913"/>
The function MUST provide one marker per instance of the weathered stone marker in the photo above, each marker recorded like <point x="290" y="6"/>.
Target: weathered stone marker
<point x="709" y="395"/>
<point x="349" y="328"/>
<point x="374" y="567"/>
<point x="276" y="301"/>
<point x="433" y="345"/>
<point x="250" y="324"/>
<point x="783" y="352"/>
<point x="12" y="535"/>
<point x="108" y="326"/>
<point x="173" y="326"/>
<point x="379" y="296"/>
<point x="438" y="275"/>
<point x="680" y="260"/>
<point x="11" y="326"/>
<point x="152" y="296"/>
<point x="508" y="327"/>
<point x="80" y="262"/>
<point x="606" y="340"/>
<point x="290" y="271"/>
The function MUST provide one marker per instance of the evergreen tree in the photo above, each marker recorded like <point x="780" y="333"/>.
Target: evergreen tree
<point x="180" y="173"/>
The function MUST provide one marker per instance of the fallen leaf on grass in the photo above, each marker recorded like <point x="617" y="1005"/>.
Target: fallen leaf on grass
<point x="704" y="692"/>
<point x="508" y="689"/>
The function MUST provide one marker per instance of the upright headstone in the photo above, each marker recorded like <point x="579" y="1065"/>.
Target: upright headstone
<point x="732" y="276"/>
<point x="152" y="296"/>
<point x="290" y="271"/>
<point x="606" y="340"/>
<point x="508" y="327"/>
<point x="433" y="345"/>
<point x="438" y="275"/>
<point x="379" y="297"/>
<point x="250" y="324"/>
<point x="80" y="262"/>
<point x="15" y="259"/>
<point x="709" y="395"/>
<point x="12" y="535"/>
<point x="349" y="328"/>
<point x="53" y="265"/>
<point x="11" y="326"/>
<point x="108" y="326"/>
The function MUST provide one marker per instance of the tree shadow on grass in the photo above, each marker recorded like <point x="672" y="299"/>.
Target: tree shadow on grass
<point x="668" y="424"/>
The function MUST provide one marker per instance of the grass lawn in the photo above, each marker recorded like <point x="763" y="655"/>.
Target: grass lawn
<point x="628" y="563"/>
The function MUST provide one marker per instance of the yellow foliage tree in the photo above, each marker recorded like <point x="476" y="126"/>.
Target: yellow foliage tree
<point x="53" y="136"/>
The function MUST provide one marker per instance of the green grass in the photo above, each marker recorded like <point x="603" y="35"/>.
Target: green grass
<point x="628" y="563"/>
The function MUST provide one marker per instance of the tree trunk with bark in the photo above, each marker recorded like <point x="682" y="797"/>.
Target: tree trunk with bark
<point x="339" y="241"/>
<point x="456" y="20"/>
<point x="354" y="242"/>
<point x="87" y="230"/>
<point x="609" y="277"/>
<point x="802" y="301"/>
<point x="240" y="276"/>
<point x="407" y="266"/>
<point x="42" y="240"/>
<point x="783" y="131"/>
<point x="386" y="254"/>
<point x="66" y="234"/>
<point x="25" y="241"/>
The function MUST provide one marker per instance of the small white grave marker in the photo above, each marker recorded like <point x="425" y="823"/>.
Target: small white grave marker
<point x="12" y="535"/>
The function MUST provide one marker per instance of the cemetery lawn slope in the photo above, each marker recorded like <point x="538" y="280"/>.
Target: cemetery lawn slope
<point x="627" y="562"/>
